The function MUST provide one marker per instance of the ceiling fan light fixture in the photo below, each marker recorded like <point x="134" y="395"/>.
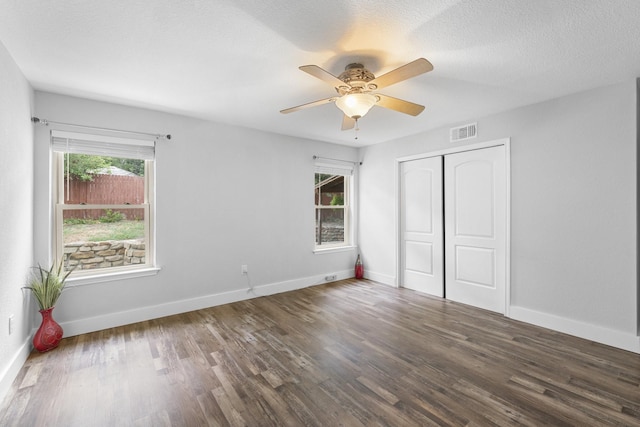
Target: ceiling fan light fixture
<point x="356" y="105"/>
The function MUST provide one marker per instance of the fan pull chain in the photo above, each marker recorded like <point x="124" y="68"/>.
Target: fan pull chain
<point x="357" y="128"/>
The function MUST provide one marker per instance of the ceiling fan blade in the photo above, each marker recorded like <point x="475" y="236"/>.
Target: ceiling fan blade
<point x="400" y="105"/>
<point x="348" y="122"/>
<point x="412" y="69"/>
<point x="307" y="105"/>
<point x="323" y="75"/>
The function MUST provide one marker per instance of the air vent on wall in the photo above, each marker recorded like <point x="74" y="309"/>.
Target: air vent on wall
<point x="461" y="133"/>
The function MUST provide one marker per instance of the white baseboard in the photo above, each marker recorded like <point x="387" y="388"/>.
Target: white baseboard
<point x="380" y="278"/>
<point x="120" y="318"/>
<point x="11" y="371"/>
<point x="614" y="338"/>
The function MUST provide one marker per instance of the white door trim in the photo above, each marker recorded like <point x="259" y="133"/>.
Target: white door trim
<point x="506" y="142"/>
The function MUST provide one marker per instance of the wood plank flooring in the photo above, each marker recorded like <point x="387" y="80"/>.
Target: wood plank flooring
<point x="351" y="353"/>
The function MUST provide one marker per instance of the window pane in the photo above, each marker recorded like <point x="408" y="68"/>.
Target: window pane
<point x="329" y="190"/>
<point x="103" y="238"/>
<point x="100" y="180"/>
<point x="329" y="226"/>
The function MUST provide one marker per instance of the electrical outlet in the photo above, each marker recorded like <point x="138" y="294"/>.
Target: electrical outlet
<point x="10" y="324"/>
<point x="330" y="278"/>
<point x="244" y="269"/>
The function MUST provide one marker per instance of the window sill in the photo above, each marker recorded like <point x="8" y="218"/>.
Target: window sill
<point x="334" y="249"/>
<point x="111" y="276"/>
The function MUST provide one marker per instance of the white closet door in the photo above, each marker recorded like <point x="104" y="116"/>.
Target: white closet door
<point x="475" y="228"/>
<point x="422" y="264"/>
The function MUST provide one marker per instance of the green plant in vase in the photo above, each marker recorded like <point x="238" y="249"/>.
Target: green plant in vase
<point x="47" y="285"/>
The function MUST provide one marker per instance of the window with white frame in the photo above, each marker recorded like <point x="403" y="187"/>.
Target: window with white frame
<point x="104" y="210"/>
<point x="333" y="182"/>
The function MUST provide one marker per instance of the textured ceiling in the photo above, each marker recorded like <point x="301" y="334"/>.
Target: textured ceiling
<point x="235" y="61"/>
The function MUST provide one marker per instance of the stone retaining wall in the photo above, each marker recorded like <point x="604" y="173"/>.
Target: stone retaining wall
<point x="111" y="253"/>
<point x="332" y="233"/>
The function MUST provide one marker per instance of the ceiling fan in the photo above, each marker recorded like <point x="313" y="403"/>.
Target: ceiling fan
<point x="357" y="88"/>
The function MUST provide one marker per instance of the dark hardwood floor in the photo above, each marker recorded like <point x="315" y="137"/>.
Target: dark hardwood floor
<point x="352" y="353"/>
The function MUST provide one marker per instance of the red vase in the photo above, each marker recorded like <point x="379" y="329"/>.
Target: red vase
<point x="49" y="333"/>
<point x="359" y="268"/>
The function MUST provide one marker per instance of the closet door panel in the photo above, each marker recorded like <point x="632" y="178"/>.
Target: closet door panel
<point x="421" y="258"/>
<point x="475" y="227"/>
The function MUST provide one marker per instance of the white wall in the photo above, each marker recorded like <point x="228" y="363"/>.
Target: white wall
<point x="16" y="216"/>
<point x="573" y="210"/>
<point x="226" y="196"/>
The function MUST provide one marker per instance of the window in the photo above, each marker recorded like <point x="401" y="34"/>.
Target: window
<point x="332" y="205"/>
<point x="103" y="217"/>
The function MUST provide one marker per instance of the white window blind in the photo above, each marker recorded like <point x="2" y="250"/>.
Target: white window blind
<point x="329" y="167"/>
<point x="102" y="145"/>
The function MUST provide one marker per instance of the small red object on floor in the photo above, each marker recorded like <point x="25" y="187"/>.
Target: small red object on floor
<point x="359" y="268"/>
